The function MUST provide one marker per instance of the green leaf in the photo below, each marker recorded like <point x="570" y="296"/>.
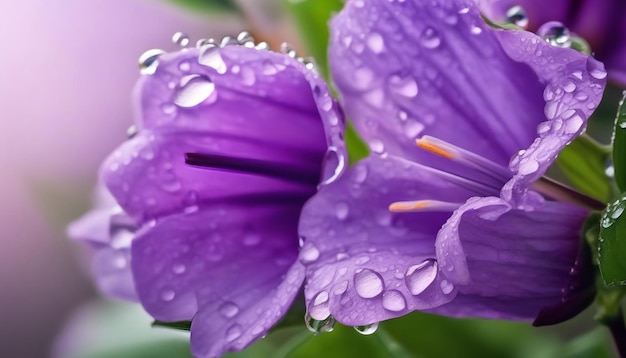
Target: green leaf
<point x="179" y="325"/>
<point x="312" y="17"/>
<point x="583" y="162"/>
<point x="619" y="145"/>
<point x="207" y="6"/>
<point x="612" y="243"/>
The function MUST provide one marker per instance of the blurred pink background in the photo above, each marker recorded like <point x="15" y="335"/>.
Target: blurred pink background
<point x="67" y="70"/>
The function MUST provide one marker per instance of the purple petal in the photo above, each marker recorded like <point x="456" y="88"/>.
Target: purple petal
<point x="233" y="265"/>
<point x="502" y="260"/>
<point x="575" y="84"/>
<point x="364" y="263"/>
<point x="411" y="68"/>
<point x="111" y="269"/>
<point x="598" y="22"/>
<point x="419" y="71"/>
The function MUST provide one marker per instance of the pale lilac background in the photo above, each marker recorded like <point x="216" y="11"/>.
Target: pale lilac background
<point x="67" y="68"/>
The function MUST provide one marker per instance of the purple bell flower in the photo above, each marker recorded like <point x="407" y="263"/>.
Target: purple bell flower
<point x="463" y="223"/>
<point x="599" y="22"/>
<point x="229" y="145"/>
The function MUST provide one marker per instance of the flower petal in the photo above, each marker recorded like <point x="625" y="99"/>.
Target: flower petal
<point x="575" y="84"/>
<point x="111" y="269"/>
<point x="503" y="260"/>
<point x="225" y="262"/>
<point x="358" y="254"/>
<point x="410" y="68"/>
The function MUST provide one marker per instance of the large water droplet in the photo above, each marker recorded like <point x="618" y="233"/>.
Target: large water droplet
<point x="430" y="38"/>
<point x="319" y="307"/>
<point x="180" y="39"/>
<point x="149" y="61"/>
<point x="368" y="283"/>
<point x="367" y="329"/>
<point x="210" y="56"/>
<point x="319" y="326"/>
<point x="419" y="277"/>
<point x="446" y="287"/>
<point x="394" y="301"/>
<point x="516" y="15"/>
<point x="194" y="89"/>
<point x="229" y="309"/>
<point x="333" y="165"/>
<point x="555" y="33"/>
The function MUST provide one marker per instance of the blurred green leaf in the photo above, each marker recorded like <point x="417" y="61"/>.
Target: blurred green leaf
<point x="612" y="243"/>
<point x="583" y="162"/>
<point x="179" y="325"/>
<point x="312" y="17"/>
<point x="156" y="349"/>
<point x="206" y="6"/>
<point x="619" y="145"/>
<point x="593" y="344"/>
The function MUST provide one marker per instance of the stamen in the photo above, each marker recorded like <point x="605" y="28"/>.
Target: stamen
<point x="276" y="170"/>
<point x="465" y="157"/>
<point x="423" y="206"/>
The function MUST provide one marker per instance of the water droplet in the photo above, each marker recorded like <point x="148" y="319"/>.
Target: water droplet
<point x="210" y="56"/>
<point x="375" y="42"/>
<point x="194" y="89"/>
<point x="476" y="30"/>
<point x="179" y="269"/>
<point x="132" y="131"/>
<point x="555" y="33"/>
<point x="244" y="38"/>
<point x="342" y="210"/>
<point x="430" y="38"/>
<point x="403" y="86"/>
<point x="309" y="253"/>
<point x="334" y="164"/>
<point x="446" y="287"/>
<point x="229" y="309"/>
<point x="319" y="307"/>
<point x="419" y="277"/>
<point x="368" y="283"/>
<point x="517" y="16"/>
<point x="367" y="329"/>
<point x="319" y="326"/>
<point x="377" y="146"/>
<point x="168" y="295"/>
<point x="233" y="333"/>
<point x="394" y="301"/>
<point x="180" y="39"/>
<point x="412" y="129"/>
<point x="149" y="61"/>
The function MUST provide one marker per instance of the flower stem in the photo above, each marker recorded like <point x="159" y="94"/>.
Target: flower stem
<point x="618" y="331"/>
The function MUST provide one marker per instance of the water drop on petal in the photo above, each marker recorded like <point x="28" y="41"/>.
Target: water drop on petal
<point x="430" y="38"/>
<point x="394" y="301"/>
<point x="419" y="277"/>
<point x="367" y="329"/>
<point x="229" y="309"/>
<point x="368" y="283"/>
<point x="180" y="39"/>
<point x="194" y="89"/>
<point x="210" y="56"/>
<point x="517" y="16"/>
<point x="149" y="61"/>
<point x="555" y="33"/>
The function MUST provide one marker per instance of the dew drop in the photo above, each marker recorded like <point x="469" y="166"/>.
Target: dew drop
<point x="430" y="38"/>
<point x="319" y="326"/>
<point x="555" y="33"/>
<point x="403" y="86"/>
<point x="168" y="295"/>
<point x="149" y="61"/>
<point x="132" y="131"/>
<point x="368" y="284"/>
<point x="342" y="210"/>
<point x="377" y="146"/>
<point x="419" y="277"/>
<point x="233" y="333"/>
<point x="210" y="56"/>
<point x="367" y="329"/>
<point x="394" y="301"/>
<point x="309" y="253"/>
<point x="194" y="89"/>
<point x="179" y="269"/>
<point x="412" y="129"/>
<point x="319" y="307"/>
<point x="180" y="39"/>
<point x="229" y="309"/>
<point x="446" y="287"/>
<point x="375" y="43"/>
<point x="517" y="16"/>
<point x="334" y="164"/>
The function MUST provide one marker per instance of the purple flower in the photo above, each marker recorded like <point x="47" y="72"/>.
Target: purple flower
<point x="229" y="146"/>
<point x="599" y="22"/>
<point x="461" y="224"/>
<point x="106" y="231"/>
